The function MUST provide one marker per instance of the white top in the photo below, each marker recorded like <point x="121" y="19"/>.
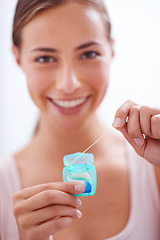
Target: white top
<point x="144" y="219"/>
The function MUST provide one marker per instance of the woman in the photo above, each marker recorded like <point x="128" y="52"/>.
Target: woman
<point x="65" y="50"/>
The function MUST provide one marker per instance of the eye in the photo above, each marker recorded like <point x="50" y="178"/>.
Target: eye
<point x="45" y="59"/>
<point x="90" y="55"/>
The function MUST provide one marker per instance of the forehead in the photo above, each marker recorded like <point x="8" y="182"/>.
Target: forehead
<point x="69" y="23"/>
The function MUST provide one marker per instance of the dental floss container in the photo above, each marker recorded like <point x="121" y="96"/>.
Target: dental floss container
<point x="81" y="171"/>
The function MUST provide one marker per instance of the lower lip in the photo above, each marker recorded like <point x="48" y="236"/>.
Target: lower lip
<point x="69" y="111"/>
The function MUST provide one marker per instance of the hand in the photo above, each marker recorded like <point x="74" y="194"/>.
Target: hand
<point x="42" y="210"/>
<point x="140" y="125"/>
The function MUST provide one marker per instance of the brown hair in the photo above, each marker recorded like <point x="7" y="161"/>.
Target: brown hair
<point x="26" y="10"/>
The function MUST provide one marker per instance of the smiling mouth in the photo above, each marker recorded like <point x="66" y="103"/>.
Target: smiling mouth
<point x="69" y="103"/>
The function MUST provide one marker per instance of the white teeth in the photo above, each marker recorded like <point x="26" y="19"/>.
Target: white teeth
<point x="69" y="104"/>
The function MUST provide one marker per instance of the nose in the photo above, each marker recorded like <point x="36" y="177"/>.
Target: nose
<point x="67" y="80"/>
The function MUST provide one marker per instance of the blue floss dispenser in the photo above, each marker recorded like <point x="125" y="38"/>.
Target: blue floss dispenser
<point x="79" y="168"/>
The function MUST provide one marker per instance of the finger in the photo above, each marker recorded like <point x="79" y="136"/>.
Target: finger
<point x="56" y="225"/>
<point x="139" y="148"/>
<point x="146" y="114"/>
<point x="71" y="188"/>
<point x="45" y="214"/>
<point x="47" y="198"/>
<point x="133" y="126"/>
<point x="155" y="126"/>
<point x="122" y="114"/>
<point x="43" y="231"/>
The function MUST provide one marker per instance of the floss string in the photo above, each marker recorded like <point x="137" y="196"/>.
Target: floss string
<point x="88" y="148"/>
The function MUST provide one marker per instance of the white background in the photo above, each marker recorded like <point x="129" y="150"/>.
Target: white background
<point x="135" y="72"/>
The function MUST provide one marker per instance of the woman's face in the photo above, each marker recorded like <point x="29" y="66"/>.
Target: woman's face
<point x="66" y="57"/>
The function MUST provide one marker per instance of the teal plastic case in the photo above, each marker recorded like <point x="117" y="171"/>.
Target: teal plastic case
<point x="82" y="171"/>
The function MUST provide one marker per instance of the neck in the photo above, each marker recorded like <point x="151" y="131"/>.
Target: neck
<point x="53" y="142"/>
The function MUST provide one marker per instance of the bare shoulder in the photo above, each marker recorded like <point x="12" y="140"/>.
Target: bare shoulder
<point x="22" y="155"/>
<point x="117" y="144"/>
<point x="114" y="149"/>
<point x="116" y="138"/>
<point x="26" y="164"/>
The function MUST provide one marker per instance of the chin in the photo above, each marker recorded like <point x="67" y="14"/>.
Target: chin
<point x="70" y="126"/>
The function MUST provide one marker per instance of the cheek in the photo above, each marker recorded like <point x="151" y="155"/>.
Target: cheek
<point x="98" y="76"/>
<point x="38" y="82"/>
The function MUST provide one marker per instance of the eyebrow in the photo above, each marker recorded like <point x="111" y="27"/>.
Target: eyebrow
<point x="88" y="44"/>
<point x="43" y="49"/>
<point x="52" y="50"/>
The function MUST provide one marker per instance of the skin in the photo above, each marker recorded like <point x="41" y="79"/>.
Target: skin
<point x="45" y="206"/>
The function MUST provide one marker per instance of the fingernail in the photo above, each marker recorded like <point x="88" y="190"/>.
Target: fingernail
<point x="138" y="141"/>
<point x="79" y="188"/>
<point x="117" y="122"/>
<point x="78" y="202"/>
<point x="79" y="214"/>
